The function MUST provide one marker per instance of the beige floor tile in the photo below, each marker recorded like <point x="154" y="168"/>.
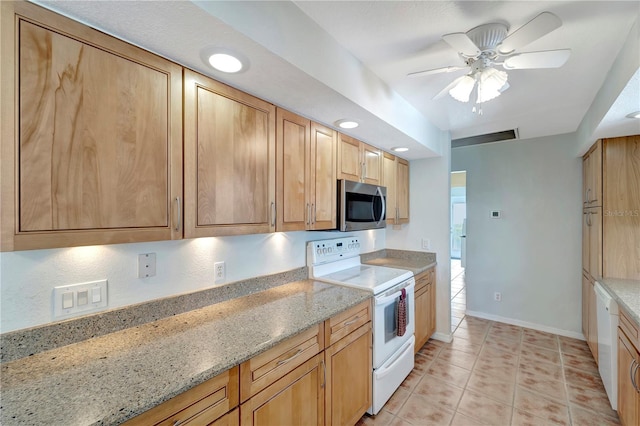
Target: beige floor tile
<point x="458" y="358"/>
<point x="412" y="380"/>
<point x="574" y="347"/>
<point x="505" y="326"/>
<point x="582" y="417"/>
<point x="439" y="392"/>
<point x="582" y="363"/>
<point x="522" y="418"/>
<point x="591" y="400"/>
<point x="421" y="363"/>
<point x="475" y="329"/>
<point x="460" y="419"/>
<point x="470" y="335"/>
<point x="502" y="344"/>
<point x="536" y="404"/>
<point x="538" y="333"/>
<point x="541" y="368"/>
<point x="397" y="421"/>
<point x="583" y="379"/>
<point x="452" y="374"/>
<point x="542" y="341"/>
<point x="506" y="372"/>
<point x="430" y="350"/>
<point x="553" y="389"/>
<point x="529" y="353"/>
<point x="465" y="346"/>
<point x="476" y="320"/>
<point x="419" y="410"/>
<point x="382" y="419"/>
<point x="495" y="387"/>
<point x="502" y="334"/>
<point x="483" y="409"/>
<point x="397" y="400"/>
<point x="491" y="356"/>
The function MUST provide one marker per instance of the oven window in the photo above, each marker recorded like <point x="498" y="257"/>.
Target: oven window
<point x="391" y="319"/>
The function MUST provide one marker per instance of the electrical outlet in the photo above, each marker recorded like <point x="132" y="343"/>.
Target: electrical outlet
<point x="219" y="271"/>
<point x="146" y="265"/>
<point x="497" y="296"/>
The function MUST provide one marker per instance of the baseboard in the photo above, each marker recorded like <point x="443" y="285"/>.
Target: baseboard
<point x="526" y="324"/>
<point x="446" y="338"/>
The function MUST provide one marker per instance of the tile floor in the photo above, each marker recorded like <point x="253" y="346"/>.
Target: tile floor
<point x="499" y="374"/>
<point x="458" y="294"/>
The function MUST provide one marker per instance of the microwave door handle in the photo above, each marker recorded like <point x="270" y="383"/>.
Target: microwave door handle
<point x="384" y="208"/>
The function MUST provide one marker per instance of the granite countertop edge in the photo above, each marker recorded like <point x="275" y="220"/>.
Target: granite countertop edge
<point x="626" y="293"/>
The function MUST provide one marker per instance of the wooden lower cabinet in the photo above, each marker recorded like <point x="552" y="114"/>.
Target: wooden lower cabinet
<point x="349" y="377"/>
<point x="205" y="404"/>
<point x="592" y="337"/>
<point x="232" y="418"/>
<point x="628" y="376"/>
<point x="425" y="307"/>
<point x="295" y="399"/>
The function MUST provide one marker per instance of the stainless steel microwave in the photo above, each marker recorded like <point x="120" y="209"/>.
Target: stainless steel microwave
<point x="361" y="206"/>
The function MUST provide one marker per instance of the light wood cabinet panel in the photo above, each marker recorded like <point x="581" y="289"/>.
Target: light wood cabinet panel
<point x="324" y="188"/>
<point x="592" y="176"/>
<point x="95" y="128"/>
<point x="586" y="287"/>
<point x="358" y="161"/>
<point x="425" y="308"/>
<point x="343" y="324"/>
<point x="628" y="374"/>
<point x="295" y="399"/>
<point x="230" y="419"/>
<point x="403" y="191"/>
<point x="372" y="160"/>
<point x="389" y="180"/>
<point x="264" y="369"/>
<point x="621" y="218"/>
<point x="229" y="144"/>
<point x="592" y="337"/>
<point x="201" y="405"/>
<point x="349" y="377"/>
<point x="306" y="174"/>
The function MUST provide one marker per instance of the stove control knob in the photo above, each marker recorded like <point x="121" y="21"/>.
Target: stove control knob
<point x="319" y="251"/>
<point x="357" y="245"/>
<point x="324" y="250"/>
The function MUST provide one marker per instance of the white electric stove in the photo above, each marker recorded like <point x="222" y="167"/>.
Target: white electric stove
<point x="337" y="261"/>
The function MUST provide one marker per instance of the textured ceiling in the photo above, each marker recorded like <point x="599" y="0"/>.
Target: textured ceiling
<point x="332" y="60"/>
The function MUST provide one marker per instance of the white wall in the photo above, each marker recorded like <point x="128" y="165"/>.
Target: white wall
<point x="27" y="278"/>
<point x="430" y="218"/>
<point x="533" y="254"/>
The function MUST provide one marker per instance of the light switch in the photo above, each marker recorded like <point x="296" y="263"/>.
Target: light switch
<point x="83" y="297"/>
<point x="96" y="295"/>
<point x="67" y="300"/>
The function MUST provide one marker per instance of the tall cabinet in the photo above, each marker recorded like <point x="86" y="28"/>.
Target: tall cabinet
<point x="395" y="177"/>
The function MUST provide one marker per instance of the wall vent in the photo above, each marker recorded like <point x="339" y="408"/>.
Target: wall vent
<point x="487" y="138"/>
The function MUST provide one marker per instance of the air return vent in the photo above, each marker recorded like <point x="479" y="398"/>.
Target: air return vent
<point x="489" y="137"/>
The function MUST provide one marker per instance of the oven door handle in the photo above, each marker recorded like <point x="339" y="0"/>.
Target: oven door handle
<point x="387" y="299"/>
<point x="384" y="208"/>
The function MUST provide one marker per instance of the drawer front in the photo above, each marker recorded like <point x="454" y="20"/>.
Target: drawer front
<point x="201" y="405"/>
<point x="264" y="369"/>
<point x="630" y="328"/>
<point x="341" y="325"/>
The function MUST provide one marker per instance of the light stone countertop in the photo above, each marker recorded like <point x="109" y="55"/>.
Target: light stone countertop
<point x="111" y="378"/>
<point x="626" y="293"/>
<point x="414" y="261"/>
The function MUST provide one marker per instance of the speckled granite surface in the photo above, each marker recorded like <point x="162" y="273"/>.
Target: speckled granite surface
<point x="109" y="379"/>
<point x="626" y="293"/>
<point x="415" y="261"/>
<point x="26" y="342"/>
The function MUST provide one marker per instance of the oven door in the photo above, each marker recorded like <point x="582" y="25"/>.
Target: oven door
<point x="385" y="321"/>
<point x="361" y="206"/>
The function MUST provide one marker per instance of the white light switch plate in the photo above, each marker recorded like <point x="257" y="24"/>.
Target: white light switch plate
<point x="69" y="293"/>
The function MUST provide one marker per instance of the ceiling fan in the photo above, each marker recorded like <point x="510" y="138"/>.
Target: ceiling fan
<point x="487" y="46"/>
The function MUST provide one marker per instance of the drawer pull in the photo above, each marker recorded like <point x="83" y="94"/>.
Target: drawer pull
<point x="352" y="321"/>
<point x="284" y="361"/>
<point x="632" y="374"/>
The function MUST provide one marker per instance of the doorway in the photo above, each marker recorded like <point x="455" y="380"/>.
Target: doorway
<point x="458" y="247"/>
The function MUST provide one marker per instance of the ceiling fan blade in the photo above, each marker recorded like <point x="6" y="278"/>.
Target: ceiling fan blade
<point x="529" y="32"/>
<point x="531" y="60"/>
<point x="451" y="68"/>
<point x="462" y="44"/>
<point x="450" y="86"/>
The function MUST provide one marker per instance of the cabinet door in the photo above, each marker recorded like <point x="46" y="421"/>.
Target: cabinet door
<point x="628" y="398"/>
<point x="95" y="127"/>
<point x="403" y="191"/>
<point x="230" y="163"/>
<point x="389" y="180"/>
<point x="586" y="241"/>
<point x="622" y="207"/>
<point x="349" y="377"/>
<point x="296" y="399"/>
<point x="422" y="315"/>
<point x="592" y="338"/>
<point x="349" y="160"/>
<point x="324" y="187"/>
<point x="372" y="164"/>
<point x="293" y="149"/>
<point x="586" y="287"/>
<point x="595" y="242"/>
<point x="595" y="176"/>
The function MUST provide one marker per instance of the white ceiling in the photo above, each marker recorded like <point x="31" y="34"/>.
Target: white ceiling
<point x="349" y="59"/>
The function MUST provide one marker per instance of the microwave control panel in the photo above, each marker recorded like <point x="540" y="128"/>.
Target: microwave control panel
<point x="324" y="251"/>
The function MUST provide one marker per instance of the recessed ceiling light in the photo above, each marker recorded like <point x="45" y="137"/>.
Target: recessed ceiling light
<point x="634" y="115"/>
<point x="347" y="124"/>
<point x="225" y="62"/>
<point x="400" y="149"/>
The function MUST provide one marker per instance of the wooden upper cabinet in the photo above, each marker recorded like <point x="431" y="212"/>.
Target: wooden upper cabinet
<point x="402" y="192"/>
<point x="621" y="207"/>
<point x="358" y="161"/>
<point x="95" y="128"/>
<point x="592" y="176"/>
<point x="306" y="174"/>
<point x="229" y="160"/>
<point x="389" y="180"/>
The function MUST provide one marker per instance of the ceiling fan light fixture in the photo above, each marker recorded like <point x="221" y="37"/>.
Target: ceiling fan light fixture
<point x="462" y="91"/>
<point x="634" y="115"/>
<point x="490" y="84"/>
